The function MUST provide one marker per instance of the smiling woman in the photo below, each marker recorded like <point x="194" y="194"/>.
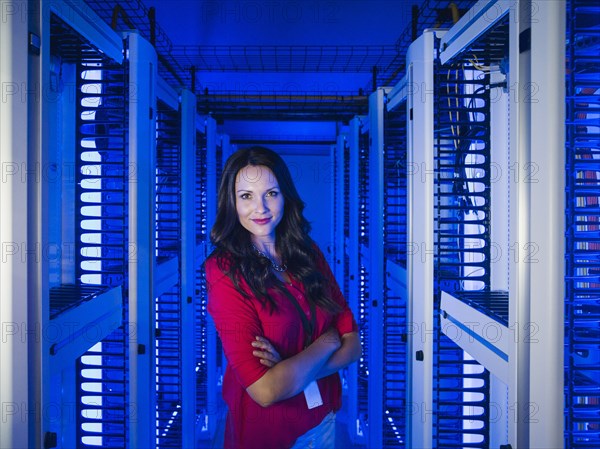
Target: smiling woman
<point x="285" y="327"/>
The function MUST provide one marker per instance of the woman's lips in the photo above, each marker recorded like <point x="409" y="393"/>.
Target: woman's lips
<point x="261" y="221"/>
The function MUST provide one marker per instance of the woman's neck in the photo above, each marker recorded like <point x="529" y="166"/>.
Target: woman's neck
<point x="266" y="246"/>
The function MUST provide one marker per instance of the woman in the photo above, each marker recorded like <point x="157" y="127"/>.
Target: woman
<point x="284" y="324"/>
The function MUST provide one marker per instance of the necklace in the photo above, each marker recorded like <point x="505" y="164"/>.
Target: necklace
<point x="280" y="268"/>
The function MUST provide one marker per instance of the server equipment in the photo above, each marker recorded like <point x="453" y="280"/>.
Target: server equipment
<point x="582" y="144"/>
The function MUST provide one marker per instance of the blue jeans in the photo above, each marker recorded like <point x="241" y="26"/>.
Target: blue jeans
<point x="320" y="437"/>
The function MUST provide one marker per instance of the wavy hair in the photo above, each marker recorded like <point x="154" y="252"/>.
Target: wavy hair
<point x="233" y="246"/>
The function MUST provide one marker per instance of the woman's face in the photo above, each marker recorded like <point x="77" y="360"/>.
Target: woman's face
<point x="259" y="202"/>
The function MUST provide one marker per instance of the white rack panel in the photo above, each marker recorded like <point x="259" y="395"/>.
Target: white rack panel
<point x="484" y="338"/>
<point x="83" y="326"/>
<point x="480" y="18"/>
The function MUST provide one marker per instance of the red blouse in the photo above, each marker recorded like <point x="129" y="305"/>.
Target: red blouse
<point x="238" y="321"/>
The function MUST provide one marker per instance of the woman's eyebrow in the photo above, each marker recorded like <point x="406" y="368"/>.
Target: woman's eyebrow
<point x="252" y="191"/>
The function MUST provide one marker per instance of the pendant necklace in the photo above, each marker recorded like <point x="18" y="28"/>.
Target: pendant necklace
<point x="279" y="268"/>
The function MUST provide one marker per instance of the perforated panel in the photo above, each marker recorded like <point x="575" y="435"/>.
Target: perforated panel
<point x="395" y="305"/>
<point x="363" y="318"/>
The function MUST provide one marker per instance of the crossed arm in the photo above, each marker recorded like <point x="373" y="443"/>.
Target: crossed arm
<point x="236" y="318"/>
<point x="286" y="378"/>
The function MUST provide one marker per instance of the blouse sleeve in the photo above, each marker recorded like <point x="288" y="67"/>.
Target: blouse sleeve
<point x="344" y="321"/>
<point x="237" y="323"/>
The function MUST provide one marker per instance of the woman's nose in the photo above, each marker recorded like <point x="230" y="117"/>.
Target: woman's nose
<point x="261" y="205"/>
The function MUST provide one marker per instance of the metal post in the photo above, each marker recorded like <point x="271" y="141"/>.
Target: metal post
<point x="353" y="264"/>
<point x="15" y="431"/>
<point x="546" y="249"/>
<point x="376" y="267"/>
<point x="188" y="259"/>
<point x="420" y="241"/>
<point x="142" y="144"/>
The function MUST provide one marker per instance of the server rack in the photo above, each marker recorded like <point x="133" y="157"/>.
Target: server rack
<point x="358" y="282"/>
<point x="463" y="241"/>
<point x="168" y="305"/>
<point x="449" y="229"/>
<point x="396" y="248"/>
<point x="209" y="362"/>
<point x="340" y="238"/>
<point x="345" y="179"/>
<point x="223" y="149"/>
<point x="84" y="204"/>
<point x="450" y="235"/>
<point x="376" y="261"/>
<point x="204" y="339"/>
<point x="212" y="149"/>
<point x="167" y="160"/>
<point x="101" y="244"/>
<point x="114" y="240"/>
<point x="173" y="186"/>
<point x="339" y="232"/>
<point x="385" y="408"/>
<point x="137" y="205"/>
<point x="372" y="176"/>
<point x="471" y="288"/>
<point x="581" y="217"/>
<point x="474" y="369"/>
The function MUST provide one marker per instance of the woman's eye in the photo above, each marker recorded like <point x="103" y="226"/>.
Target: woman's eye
<point x="273" y="193"/>
<point x="245" y="196"/>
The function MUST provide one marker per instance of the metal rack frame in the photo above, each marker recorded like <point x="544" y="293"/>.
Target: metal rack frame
<point x="87" y="287"/>
<point x="533" y="300"/>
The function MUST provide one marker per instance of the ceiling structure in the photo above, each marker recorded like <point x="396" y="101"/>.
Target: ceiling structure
<point x="280" y="60"/>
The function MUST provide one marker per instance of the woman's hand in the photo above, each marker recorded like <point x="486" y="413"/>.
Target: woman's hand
<point x="265" y="351"/>
<point x="288" y="377"/>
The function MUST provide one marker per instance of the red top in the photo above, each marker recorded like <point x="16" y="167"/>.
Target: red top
<point x="239" y="321"/>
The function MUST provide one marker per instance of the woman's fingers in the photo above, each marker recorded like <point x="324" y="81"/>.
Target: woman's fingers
<point x="265" y="355"/>
<point x="265" y="351"/>
<point x="263" y="343"/>
<point x="267" y="363"/>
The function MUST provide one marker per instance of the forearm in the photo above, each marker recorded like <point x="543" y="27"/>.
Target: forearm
<point x="348" y="353"/>
<point x="289" y="377"/>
